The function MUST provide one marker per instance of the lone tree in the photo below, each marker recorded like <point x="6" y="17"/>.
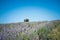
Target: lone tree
<point x="26" y="20"/>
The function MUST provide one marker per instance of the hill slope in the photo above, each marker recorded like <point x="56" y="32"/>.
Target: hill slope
<point x="27" y="30"/>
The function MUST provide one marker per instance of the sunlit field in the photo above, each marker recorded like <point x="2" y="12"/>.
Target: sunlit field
<point x="44" y="30"/>
<point x="29" y="19"/>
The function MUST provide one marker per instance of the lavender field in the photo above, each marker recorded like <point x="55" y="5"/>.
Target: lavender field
<point x="44" y="30"/>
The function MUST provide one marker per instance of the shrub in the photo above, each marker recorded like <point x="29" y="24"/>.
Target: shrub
<point x="26" y="20"/>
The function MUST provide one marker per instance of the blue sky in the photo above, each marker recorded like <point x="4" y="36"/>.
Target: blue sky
<point x="36" y="10"/>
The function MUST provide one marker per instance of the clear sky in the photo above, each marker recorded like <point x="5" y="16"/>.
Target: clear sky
<point x="36" y="10"/>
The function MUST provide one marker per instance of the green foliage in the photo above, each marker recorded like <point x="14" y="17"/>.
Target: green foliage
<point x="54" y="34"/>
<point x="0" y="29"/>
<point x="25" y="37"/>
<point x="50" y="32"/>
<point x="26" y="20"/>
<point x="42" y="33"/>
<point x="18" y="36"/>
